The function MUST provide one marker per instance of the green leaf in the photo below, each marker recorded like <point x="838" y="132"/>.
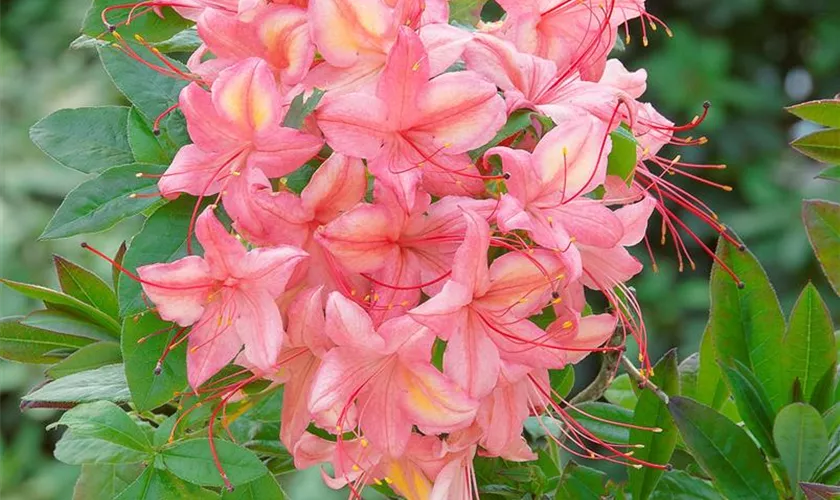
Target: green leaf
<point x="563" y="380"/>
<point x="162" y="239"/>
<point x="151" y="92"/>
<point x="581" y="482"/>
<point x="89" y="357"/>
<point x="679" y="485"/>
<point x="517" y="122"/>
<point x="105" y="480"/>
<point x="823" y="112"/>
<point x="99" y="203"/>
<point x="815" y="491"/>
<point x="185" y="41"/>
<point x="601" y="426"/>
<point x="192" y="461"/>
<point x="689" y="369"/>
<point x="102" y="384"/>
<point x="829" y="468"/>
<point x="86" y="286"/>
<point x="85" y="139"/>
<point x="822" y="222"/>
<point x="621" y="392"/>
<point x="144" y="22"/>
<point x="300" y="109"/>
<point x="810" y="350"/>
<point x="822" y="145"/>
<point x="264" y="488"/>
<point x="711" y="388"/>
<point x="77" y="450"/>
<point x="724" y="450"/>
<point x="108" y="422"/>
<point x="747" y="323"/>
<point x="753" y="405"/>
<point x="466" y="12"/>
<point x="299" y="179"/>
<point x="802" y="441"/>
<point x="115" y="269"/>
<point x="157" y="484"/>
<point x="622" y="158"/>
<point x="650" y="412"/>
<point x="830" y="174"/>
<point x="63" y="322"/>
<point x="27" y="344"/>
<point x="146" y="146"/>
<point x="150" y="389"/>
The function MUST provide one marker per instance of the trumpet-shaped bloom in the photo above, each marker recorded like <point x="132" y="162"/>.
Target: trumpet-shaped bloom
<point x="482" y="312"/>
<point x="227" y="297"/>
<point x="546" y="188"/>
<point x="387" y="373"/>
<point x="235" y="127"/>
<point x="414" y="129"/>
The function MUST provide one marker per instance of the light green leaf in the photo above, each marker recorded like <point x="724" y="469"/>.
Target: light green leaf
<point x="622" y="158"/>
<point x="144" y="22"/>
<point x="264" y="488"/>
<point x="77" y="450"/>
<point x="600" y="426"/>
<point x="103" y="384"/>
<point x="517" y="122"/>
<point x="146" y="146"/>
<point x="650" y="412"/>
<point x="99" y="203"/>
<point x="27" y="344"/>
<point x="823" y="112"/>
<point x="822" y="145"/>
<point x="802" y="441"/>
<point x="747" y="323"/>
<point x="150" y="389"/>
<point x="711" y="388"/>
<point x="466" y="12"/>
<point x="157" y="484"/>
<point x="185" y="41"/>
<point x="829" y="468"/>
<point x="89" y="357"/>
<point x="810" y="350"/>
<point x="724" y="450"/>
<point x="105" y="480"/>
<point x="86" y="286"/>
<point x="563" y="380"/>
<point x="299" y="108"/>
<point x="192" y="461"/>
<point x="63" y="322"/>
<point x="85" y="139"/>
<point x="581" y="482"/>
<point x="822" y="222"/>
<point x="621" y="392"/>
<point x="830" y="174"/>
<point x="108" y="422"/>
<point x="679" y="485"/>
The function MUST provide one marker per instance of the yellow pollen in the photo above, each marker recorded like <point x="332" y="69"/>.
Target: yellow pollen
<point x="364" y="442"/>
<point x="636" y="466"/>
<point x="565" y="151"/>
<point x="447" y="144"/>
<point x="676" y="159"/>
<point x="653" y="26"/>
<point x="629" y="453"/>
<point x="353" y="292"/>
<point x="567" y="324"/>
<point x="703" y="140"/>
<point x="656" y="430"/>
<point x="213" y="206"/>
<point x="378" y="482"/>
<point x="375" y="296"/>
<point x="355" y="468"/>
<point x="523" y="300"/>
<point x="404" y="303"/>
<point x="388" y="480"/>
<point x="558" y="300"/>
<point x="138" y="175"/>
<point x="669" y="32"/>
<point x="416" y="66"/>
<point x="338" y="428"/>
<point x="627" y="40"/>
<point x="284" y="181"/>
<point x="641" y="358"/>
<point x="645" y="41"/>
<point x="561" y="276"/>
<point x="421" y="164"/>
<point x="550" y="219"/>
<point x="133" y="195"/>
<point x="367" y="298"/>
<point x="458" y="182"/>
<point x="236" y="173"/>
<point x="639" y="445"/>
<point x="726" y="188"/>
<point x="139" y="38"/>
<point x="572" y="239"/>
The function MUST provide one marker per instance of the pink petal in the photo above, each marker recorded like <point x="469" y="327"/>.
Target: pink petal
<point x="295" y="416"/>
<point x="222" y="251"/>
<point x="399" y="168"/>
<point x="343" y="371"/>
<point x="501" y="416"/>
<point x="347" y="324"/>
<point x="284" y="32"/>
<point x="259" y="327"/>
<point x="338" y="185"/>
<point x="616" y="75"/>
<point x="270" y="269"/>
<point x="604" y="268"/>
<point x="470" y="265"/>
<point x="179" y="290"/>
<point x="193" y="171"/>
<point x="590" y="223"/>
<point x="246" y="96"/>
<point x="354" y="124"/>
<point x="445" y="313"/>
<point x="472" y="359"/>
<point x="284" y="151"/>
<point x="361" y="239"/>
<point x="525" y="183"/>
<point x="444" y="43"/>
<point x="306" y="321"/>
<point x="434" y="403"/>
<point x="634" y="218"/>
<point x="213" y="343"/>
<point x="383" y="420"/>
<point x="206" y="128"/>
<point x="521" y="283"/>
<point x="343" y="29"/>
<point x="405" y="75"/>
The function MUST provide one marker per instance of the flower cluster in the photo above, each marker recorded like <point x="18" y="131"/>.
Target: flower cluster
<point x="413" y="297"/>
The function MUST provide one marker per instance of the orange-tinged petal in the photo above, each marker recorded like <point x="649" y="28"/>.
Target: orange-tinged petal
<point x="246" y="96"/>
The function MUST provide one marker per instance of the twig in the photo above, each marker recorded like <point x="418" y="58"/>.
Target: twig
<point x="606" y="374"/>
<point x="644" y="382"/>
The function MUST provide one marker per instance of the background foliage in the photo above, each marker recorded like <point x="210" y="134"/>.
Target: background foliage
<point x="750" y="58"/>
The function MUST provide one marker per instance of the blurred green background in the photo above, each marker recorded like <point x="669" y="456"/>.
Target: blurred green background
<point x="750" y="58"/>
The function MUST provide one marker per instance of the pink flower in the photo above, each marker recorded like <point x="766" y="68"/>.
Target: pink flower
<point x="415" y="130"/>
<point x="482" y="312"/>
<point x="234" y="128"/>
<point x="387" y="373"/>
<point x="227" y="297"/>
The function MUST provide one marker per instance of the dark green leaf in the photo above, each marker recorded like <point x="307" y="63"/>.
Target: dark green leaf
<point x="89" y="357"/>
<point x="810" y="350"/>
<point x="105" y="480"/>
<point x="85" y="139"/>
<point x="144" y="22"/>
<point x="621" y="392"/>
<point x="27" y="344"/>
<point x="822" y="145"/>
<point x="822" y="222"/>
<point x="581" y="482"/>
<point x="829" y="468"/>
<point x="100" y="203"/>
<point x="563" y="380"/>
<point x="299" y="179"/>
<point x="466" y="12"/>
<point x="78" y="450"/>
<point x="65" y="303"/>
<point x="651" y="413"/>
<point x="622" y="158"/>
<point x="600" y="426"/>
<point x="823" y="112"/>
<point x="70" y="324"/>
<point x="146" y="146"/>
<point x="142" y="352"/>
<point x="517" y="122"/>
<point x="192" y="461"/>
<point x="711" y="388"/>
<point x="157" y="484"/>
<point x="299" y="109"/>
<point x="830" y="174"/>
<point x="163" y="239"/>
<point x="103" y="384"/>
<point x="802" y="441"/>
<point x="724" y="450"/>
<point x="264" y="488"/>
<point x="747" y="323"/>
<point x="84" y="285"/>
<point x="678" y="485"/>
<point x="753" y="404"/>
<point x="108" y="422"/>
